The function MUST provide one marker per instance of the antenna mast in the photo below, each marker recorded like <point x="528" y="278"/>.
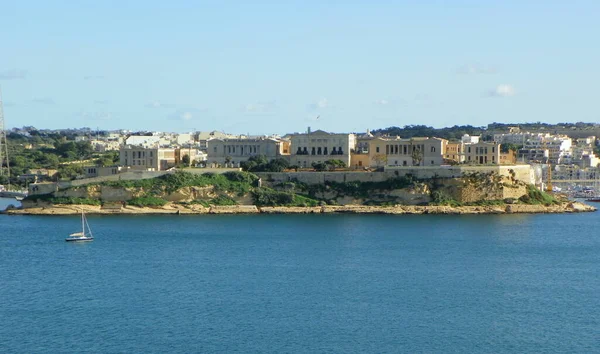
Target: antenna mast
<point x="3" y="144"/>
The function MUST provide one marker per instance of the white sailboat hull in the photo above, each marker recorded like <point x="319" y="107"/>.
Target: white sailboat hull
<point x="79" y="239"/>
<point x="81" y="236"/>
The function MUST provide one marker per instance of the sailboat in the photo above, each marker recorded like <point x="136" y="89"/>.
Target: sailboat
<point x="82" y="236"/>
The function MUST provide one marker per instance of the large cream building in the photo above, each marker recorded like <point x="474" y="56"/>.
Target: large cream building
<point x="234" y="151"/>
<point x="320" y="146"/>
<point x="147" y="158"/>
<point x="482" y="153"/>
<point x="406" y="152"/>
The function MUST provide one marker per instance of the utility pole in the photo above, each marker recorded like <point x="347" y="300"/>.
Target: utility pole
<point x="3" y="144"/>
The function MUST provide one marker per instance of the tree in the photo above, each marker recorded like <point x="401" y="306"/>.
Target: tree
<point x="70" y="171"/>
<point x="380" y="159"/>
<point x="417" y="156"/>
<point x="319" y="166"/>
<point x="185" y="160"/>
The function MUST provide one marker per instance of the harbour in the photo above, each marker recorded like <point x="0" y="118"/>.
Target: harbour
<point x="297" y="283"/>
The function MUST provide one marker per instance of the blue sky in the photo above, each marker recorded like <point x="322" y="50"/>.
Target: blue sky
<point x="275" y="66"/>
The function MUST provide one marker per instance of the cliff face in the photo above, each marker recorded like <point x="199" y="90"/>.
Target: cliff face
<point x="467" y="189"/>
<point x="568" y="207"/>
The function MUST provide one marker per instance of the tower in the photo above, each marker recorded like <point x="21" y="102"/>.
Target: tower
<point x="4" y="164"/>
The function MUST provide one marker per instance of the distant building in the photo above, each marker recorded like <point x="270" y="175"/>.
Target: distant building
<point x="415" y="151"/>
<point x="99" y="171"/>
<point x="320" y="146"/>
<point x="202" y="138"/>
<point x="142" y="141"/>
<point x="482" y="153"/>
<point x="235" y="151"/>
<point x="454" y="152"/>
<point x="147" y="158"/>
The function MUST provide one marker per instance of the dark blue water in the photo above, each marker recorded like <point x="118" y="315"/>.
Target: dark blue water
<point x="313" y="283"/>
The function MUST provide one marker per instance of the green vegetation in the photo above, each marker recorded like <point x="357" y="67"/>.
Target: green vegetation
<point x="239" y="183"/>
<point x="441" y="198"/>
<point x="271" y="197"/>
<point x="33" y="149"/>
<point x="222" y="200"/>
<point x="536" y="196"/>
<point x="328" y="165"/>
<point x="260" y="163"/>
<point x="504" y="148"/>
<point x="357" y="189"/>
<point x="62" y="200"/>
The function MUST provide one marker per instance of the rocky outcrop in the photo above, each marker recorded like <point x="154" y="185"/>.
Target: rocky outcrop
<point x="567" y="207"/>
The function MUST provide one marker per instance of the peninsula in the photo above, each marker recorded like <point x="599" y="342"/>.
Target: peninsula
<point x="183" y="192"/>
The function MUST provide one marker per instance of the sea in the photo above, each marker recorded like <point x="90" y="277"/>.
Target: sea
<point x="301" y="284"/>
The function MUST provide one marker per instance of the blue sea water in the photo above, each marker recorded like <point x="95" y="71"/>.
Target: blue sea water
<point x="301" y="284"/>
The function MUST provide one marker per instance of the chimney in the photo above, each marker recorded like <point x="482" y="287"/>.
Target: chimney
<point x="308" y="130"/>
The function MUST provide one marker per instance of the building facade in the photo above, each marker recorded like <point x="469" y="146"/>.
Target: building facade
<point x="147" y="159"/>
<point x="320" y="146"/>
<point x="482" y="153"/>
<point x="234" y="151"/>
<point x="407" y="152"/>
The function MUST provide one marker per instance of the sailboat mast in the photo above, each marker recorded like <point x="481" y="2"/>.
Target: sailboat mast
<point x="82" y="223"/>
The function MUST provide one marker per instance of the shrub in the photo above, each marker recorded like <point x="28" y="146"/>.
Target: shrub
<point x="536" y="196"/>
<point x="222" y="200"/>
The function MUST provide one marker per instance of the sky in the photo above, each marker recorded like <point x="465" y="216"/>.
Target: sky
<point x="277" y="67"/>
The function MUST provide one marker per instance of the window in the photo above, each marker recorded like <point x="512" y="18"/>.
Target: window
<point x="432" y="162"/>
<point x="319" y="151"/>
<point x="469" y="151"/>
<point x="325" y="150"/>
<point x="433" y="149"/>
<point x="376" y="149"/>
<point x="313" y="151"/>
<point x="493" y="149"/>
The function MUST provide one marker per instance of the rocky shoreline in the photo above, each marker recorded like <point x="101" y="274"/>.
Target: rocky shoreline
<point x="566" y="207"/>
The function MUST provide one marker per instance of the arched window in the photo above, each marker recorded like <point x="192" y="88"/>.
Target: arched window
<point x="433" y="149"/>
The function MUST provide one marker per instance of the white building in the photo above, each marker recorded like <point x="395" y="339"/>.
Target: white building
<point x="320" y="146"/>
<point x="235" y="151"/>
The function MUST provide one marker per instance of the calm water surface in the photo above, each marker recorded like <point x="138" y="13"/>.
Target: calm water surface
<point x="310" y="283"/>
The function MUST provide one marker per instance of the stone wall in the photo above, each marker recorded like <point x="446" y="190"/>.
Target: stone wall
<point x="521" y="172"/>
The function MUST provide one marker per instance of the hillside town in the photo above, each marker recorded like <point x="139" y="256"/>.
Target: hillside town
<point x="572" y="161"/>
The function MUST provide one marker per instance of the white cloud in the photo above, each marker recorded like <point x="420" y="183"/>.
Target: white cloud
<point x="320" y="104"/>
<point x="475" y="69"/>
<point x="185" y="114"/>
<point x="13" y="74"/>
<point x="503" y="90"/>
<point x="382" y="102"/>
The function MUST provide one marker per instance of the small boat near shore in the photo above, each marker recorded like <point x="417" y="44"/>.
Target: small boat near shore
<point x="82" y="236"/>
